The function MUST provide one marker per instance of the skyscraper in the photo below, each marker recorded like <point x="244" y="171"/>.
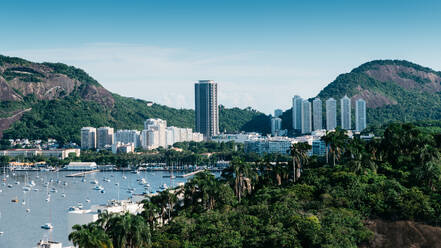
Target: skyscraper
<point x="278" y="112"/>
<point x="88" y="138"/>
<point x="306" y="116"/>
<point x="331" y="114"/>
<point x="317" y="114"/>
<point x="297" y="113"/>
<point x="276" y="126"/>
<point x="206" y="108"/>
<point x="104" y="137"/>
<point x="345" y="103"/>
<point x="360" y="115"/>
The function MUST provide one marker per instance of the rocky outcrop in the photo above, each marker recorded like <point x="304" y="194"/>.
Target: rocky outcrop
<point x="5" y="123"/>
<point x="403" y="234"/>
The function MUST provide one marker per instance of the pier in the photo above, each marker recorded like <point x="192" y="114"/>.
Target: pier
<point x="189" y="174"/>
<point x="82" y="174"/>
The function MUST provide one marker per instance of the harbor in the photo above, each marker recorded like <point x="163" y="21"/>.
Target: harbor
<point x="32" y="199"/>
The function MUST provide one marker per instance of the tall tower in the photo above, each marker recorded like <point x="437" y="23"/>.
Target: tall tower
<point x="360" y="115"/>
<point x="206" y="108"/>
<point x="276" y="126"/>
<point x="88" y="138"/>
<point x="317" y="114"/>
<point x="306" y="116"/>
<point x="331" y="114"/>
<point x="104" y="137"/>
<point x="297" y="113"/>
<point x="345" y="113"/>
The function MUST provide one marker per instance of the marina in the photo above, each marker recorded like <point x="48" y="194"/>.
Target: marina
<point x="53" y="202"/>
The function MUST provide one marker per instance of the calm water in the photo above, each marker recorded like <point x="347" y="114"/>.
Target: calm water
<point x="22" y="229"/>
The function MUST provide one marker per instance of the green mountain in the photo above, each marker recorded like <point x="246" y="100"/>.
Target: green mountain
<point x="394" y="90"/>
<point x="54" y="100"/>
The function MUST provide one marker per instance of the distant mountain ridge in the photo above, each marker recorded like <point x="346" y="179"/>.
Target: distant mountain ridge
<point x="60" y="99"/>
<point x="394" y="90"/>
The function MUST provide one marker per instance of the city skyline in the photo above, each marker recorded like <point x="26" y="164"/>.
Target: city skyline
<point x="283" y="48"/>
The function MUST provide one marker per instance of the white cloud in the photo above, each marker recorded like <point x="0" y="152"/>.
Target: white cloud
<point x="166" y="75"/>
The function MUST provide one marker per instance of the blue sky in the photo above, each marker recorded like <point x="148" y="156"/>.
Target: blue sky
<point x="261" y="52"/>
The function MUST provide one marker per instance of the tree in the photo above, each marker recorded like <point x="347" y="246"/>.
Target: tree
<point x="90" y="236"/>
<point x="299" y="154"/>
<point x="335" y="140"/>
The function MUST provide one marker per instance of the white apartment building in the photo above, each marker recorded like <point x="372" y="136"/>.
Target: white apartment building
<point x="105" y="137"/>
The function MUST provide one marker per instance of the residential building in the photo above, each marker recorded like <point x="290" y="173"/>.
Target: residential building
<point x="278" y="113"/>
<point x="237" y="138"/>
<point x="306" y="117"/>
<point x="297" y="103"/>
<point x="318" y="147"/>
<point x="105" y="137"/>
<point x="57" y="153"/>
<point x="88" y="138"/>
<point x="317" y="114"/>
<point x="279" y="145"/>
<point x="345" y="104"/>
<point x="360" y="115"/>
<point x="119" y="147"/>
<point x="276" y="126"/>
<point x="160" y="126"/>
<point x="128" y="136"/>
<point x="331" y="114"/>
<point x="206" y="108"/>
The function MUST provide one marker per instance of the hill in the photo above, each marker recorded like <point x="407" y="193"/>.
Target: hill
<point x="54" y="100"/>
<point x="395" y="90"/>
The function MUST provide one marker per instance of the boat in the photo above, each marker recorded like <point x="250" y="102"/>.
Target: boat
<point x="14" y="200"/>
<point x="102" y="191"/>
<point x="49" y="244"/>
<point x="106" y="180"/>
<point x="63" y="195"/>
<point x="1" y="233"/>
<point x="87" y="200"/>
<point x="23" y="202"/>
<point x="98" y="187"/>
<point x="65" y="183"/>
<point x="17" y="182"/>
<point x="142" y="181"/>
<point x="48" y="199"/>
<point x="54" y="190"/>
<point x="36" y="189"/>
<point x="28" y="210"/>
<point x="94" y="182"/>
<point x="124" y="177"/>
<point x="9" y="185"/>
<point x="26" y="188"/>
<point x="164" y="186"/>
<point x="47" y="226"/>
<point x="135" y="172"/>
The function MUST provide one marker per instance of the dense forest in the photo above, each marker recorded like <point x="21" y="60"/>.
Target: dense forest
<point x="305" y="202"/>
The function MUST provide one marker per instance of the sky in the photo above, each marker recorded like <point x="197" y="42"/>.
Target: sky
<point x="261" y="53"/>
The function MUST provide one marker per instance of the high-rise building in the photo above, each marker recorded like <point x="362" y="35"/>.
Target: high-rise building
<point x="331" y="114"/>
<point x="276" y="126"/>
<point x="306" y="117"/>
<point x="161" y="126"/>
<point x="278" y="113"/>
<point x="360" y="115"/>
<point x="345" y="104"/>
<point x="206" y="108"/>
<point x="297" y="113"/>
<point x="128" y="136"/>
<point x="104" y="137"/>
<point x="317" y="114"/>
<point x="88" y="138"/>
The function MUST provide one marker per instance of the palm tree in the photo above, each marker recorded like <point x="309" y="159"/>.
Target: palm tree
<point x="90" y="236"/>
<point x="299" y="154"/>
<point x="241" y="176"/>
<point x="335" y="141"/>
<point x="129" y="231"/>
<point x="150" y="213"/>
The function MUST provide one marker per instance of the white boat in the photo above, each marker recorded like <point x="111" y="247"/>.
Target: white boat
<point x="54" y="190"/>
<point x="65" y="183"/>
<point x="48" y="199"/>
<point x="87" y="200"/>
<point x="94" y="182"/>
<point x="124" y="177"/>
<point x="142" y="181"/>
<point x="17" y="182"/>
<point x="28" y="210"/>
<point x="106" y="180"/>
<point x="26" y="188"/>
<point x="98" y="187"/>
<point x="9" y="185"/>
<point x="32" y="183"/>
<point x="1" y="233"/>
<point x="23" y="202"/>
<point x="63" y="195"/>
<point x="36" y="189"/>
<point x="49" y="244"/>
<point x="164" y="186"/>
<point x="47" y="226"/>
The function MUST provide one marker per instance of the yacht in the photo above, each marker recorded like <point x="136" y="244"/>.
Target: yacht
<point x="9" y="185"/>
<point x="47" y="226"/>
<point x="124" y="177"/>
<point x="98" y="187"/>
<point x="28" y="210"/>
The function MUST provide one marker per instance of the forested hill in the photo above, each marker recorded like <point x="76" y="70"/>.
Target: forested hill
<point x="395" y="90"/>
<point x="54" y="100"/>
